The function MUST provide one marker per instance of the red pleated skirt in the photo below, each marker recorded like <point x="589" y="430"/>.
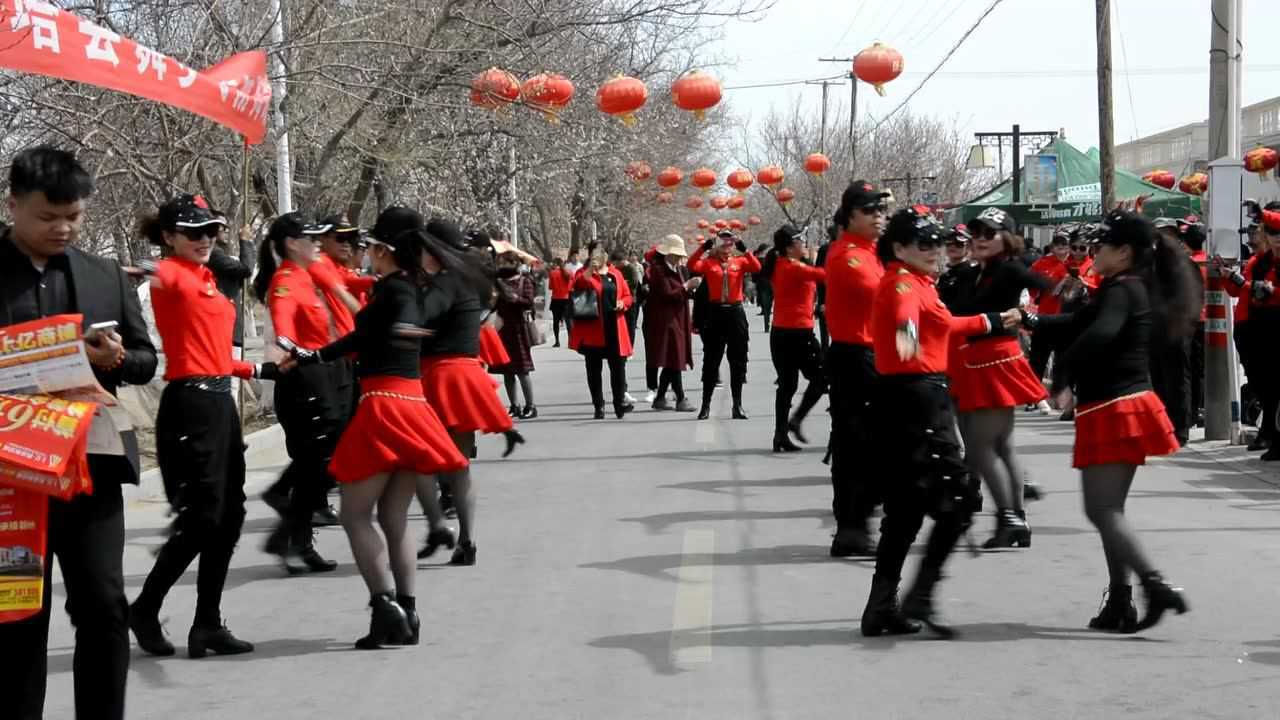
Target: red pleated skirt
<point x="492" y="353"/>
<point x="995" y="374"/>
<point x="394" y="428"/>
<point x="1123" y="431"/>
<point x="463" y="394"/>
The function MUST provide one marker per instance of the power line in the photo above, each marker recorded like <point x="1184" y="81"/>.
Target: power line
<point x="923" y="28"/>
<point x="1124" y="56"/>
<point x="935" y="70"/>
<point x="899" y="5"/>
<point x="849" y="29"/>
<point x="785" y="83"/>
<point x="944" y="23"/>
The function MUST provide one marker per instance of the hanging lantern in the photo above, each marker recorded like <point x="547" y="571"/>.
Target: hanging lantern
<point x="1194" y="184"/>
<point x="665" y="198"/>
<point x="694" y="203"/>
<point x="696" y="92"/>
<point x="817" y="163"/>
<point x="670" y="177"/>
<point x="786" y="195"/>
<point x="1261" y="160"/>
<point x="703" y="179"/>
<point x="737" y="224"/>
<point x="878" y="65"/>
<point x="494" y="88"/>
<point x="719" y="203"/>
<point x="703" y="224"/>
<point x="639" y="171"/>
<point x="740" y="179"/>
<point x="722" y="224"/>
<point x="1163" y="178"/>
<point x="753" y="221"/>
<point x="621" y="97"/>
<point x="548" y="92"/>
<point x="700" y="239"/>
<point x="736" y="202"/>
<point x="770" y="176"/>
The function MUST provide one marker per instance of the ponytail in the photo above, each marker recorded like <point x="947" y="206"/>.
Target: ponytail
<point x="266" y="269"/>
<point x="282" y="228"/>
<point x="1175" y="287"/>
<point x="150" y="228"/>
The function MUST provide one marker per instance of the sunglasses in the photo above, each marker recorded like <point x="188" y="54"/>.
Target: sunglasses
<point x="928" y="243"/>
<point x="1079" y="248"/>
<point x="957" y="244"/>
<point x="208" y="231"/>
<point x="986" y="233"/>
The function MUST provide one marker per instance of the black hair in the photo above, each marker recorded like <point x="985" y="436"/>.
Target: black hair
<point x="282" y="228"/>
<point x="1173" y="283"/>
<point x="51" y="171"/>
<point x="150" y="227"/>
<point x="617" y="256"/>
<point x="884" y="250"/>
<point x="833" y="232"/>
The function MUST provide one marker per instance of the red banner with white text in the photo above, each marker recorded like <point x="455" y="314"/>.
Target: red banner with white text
<point x="39" y="38"/>
<point x="24" y="551"/>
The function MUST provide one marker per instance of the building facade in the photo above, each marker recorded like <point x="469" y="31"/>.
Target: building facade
<point x="1185" y="150"/>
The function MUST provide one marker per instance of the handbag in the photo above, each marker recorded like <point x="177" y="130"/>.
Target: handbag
<point x="537" y="336"/>
<point x="586" y="305"/>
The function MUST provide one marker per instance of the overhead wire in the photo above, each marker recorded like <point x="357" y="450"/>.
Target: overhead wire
<point x="1124" y="57"/>
<point x="943" y="23"/>
<point x="849" y="28"/>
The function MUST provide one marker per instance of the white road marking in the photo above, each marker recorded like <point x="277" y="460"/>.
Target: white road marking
<point x="691" y="618"/>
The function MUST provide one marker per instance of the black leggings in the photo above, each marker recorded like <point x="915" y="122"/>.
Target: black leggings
<point x="313" y="406"/>
<point x="595" y="360"/>
<point x="201" y="456"/>
<point x="1106" y="487"/>
<point x="795" y="353"/>
<point x="725" y="332"/>
<point x="561" y="313"/>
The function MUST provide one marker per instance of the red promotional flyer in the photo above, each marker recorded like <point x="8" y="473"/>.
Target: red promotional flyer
<point x="23" y="551"/>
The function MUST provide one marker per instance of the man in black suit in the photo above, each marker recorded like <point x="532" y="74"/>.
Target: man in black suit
<point x="42" y="274"/>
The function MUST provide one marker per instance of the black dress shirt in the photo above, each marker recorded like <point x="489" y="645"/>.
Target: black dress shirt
<point x="31" y="293"/>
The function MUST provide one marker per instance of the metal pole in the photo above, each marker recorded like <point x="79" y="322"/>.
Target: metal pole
<point x="1017" y="163"/>
<point x="1224" y="141"/>
<point x="1106" y="123"/>
<point x="279" y="121"/>
<point x="515" y="205"/>
<point x="853" y="125"/>
<point x="822" y="141"/>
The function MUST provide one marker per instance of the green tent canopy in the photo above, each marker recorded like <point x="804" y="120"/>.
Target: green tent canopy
<point x="1079" y="194"/>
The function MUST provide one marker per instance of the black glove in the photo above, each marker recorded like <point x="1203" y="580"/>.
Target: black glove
<point x="1030" y="320"/>
<point x="1261" y="291"/>
<point x="267" y="371"/>
<point x="148" y="267"/>
<point x="742" y="247"/>
<point x="1237" y="278"/>
<point x="708" y="244"/>
<point x="307" y="357"/>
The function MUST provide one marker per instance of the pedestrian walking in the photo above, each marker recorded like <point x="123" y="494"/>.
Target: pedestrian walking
<point x="603" y="339"/>
<point x="560" y="282"/>
<point x="198" y="437"/>
<point x="794" y="348"/>
<point x="513" y="310"/>
<point x="724" y="330"/>
<point x="668" y="339"/>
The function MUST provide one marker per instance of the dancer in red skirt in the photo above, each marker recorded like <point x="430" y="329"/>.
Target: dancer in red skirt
<point x="453" y="380"/>
<point x="1119" y="420"/>
<point x="993" y="377"/>
<point x="394" y="437"/>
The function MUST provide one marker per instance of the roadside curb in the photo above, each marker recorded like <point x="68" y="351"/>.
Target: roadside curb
<point x="150" y="487"/>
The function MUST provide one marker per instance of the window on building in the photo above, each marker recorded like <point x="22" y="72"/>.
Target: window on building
<point x="1269" y="121"/>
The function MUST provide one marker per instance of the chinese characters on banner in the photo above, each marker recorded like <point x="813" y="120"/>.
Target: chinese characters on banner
<point x="23" y="553"/>
<point x="37" y="37"/>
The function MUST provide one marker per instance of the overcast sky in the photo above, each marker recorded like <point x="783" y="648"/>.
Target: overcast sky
<point x="1036" y="60"/>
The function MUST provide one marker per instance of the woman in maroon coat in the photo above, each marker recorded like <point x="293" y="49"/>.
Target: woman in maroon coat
<point x="515" y="301"/>
<point x="604" y="338"/>
<point x="668" y="341"/>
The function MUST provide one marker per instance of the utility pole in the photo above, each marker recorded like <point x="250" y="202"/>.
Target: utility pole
<point x="853" y="114"/>
<point x="1017" y="138"/>
<point x="826" y="86"/>
<point x="279" y="120"/>
<point x="515" y="204"/>
<point x="1106" y="124"/>
<point x="909" y="181"/>
<point x="1221" y="386"/>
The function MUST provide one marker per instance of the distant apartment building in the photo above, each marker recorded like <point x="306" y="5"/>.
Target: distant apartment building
<point x="1185" y="149"/>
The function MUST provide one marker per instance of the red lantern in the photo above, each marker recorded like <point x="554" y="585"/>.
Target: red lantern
<point x="878" y="65"/>
<point x="1163" y="178"/>
<point x="786" y="195"/>
<point x="670" y="177"/>
<point x="722" y="224"/>
<point x="741" y="179"/>
<point x="736" y="202"/>
<point x="1194" y="184"/>
<point x="771" y="176"/>
<point x="494" y="88"/>
<point x="548" y="92"/>
<point x="1261" y="160"/>
<point x="737" y="224"/>
<point x="817" y="163"/>
<point x="719" y="203"/>
<point x="694" y="203"/>
<point x="639" y="171"/>
<point x="696" y="92"/>
<point x="700" y="239"/>
<point x="703" y="224"/>
<point x="621" y="97"/>
<point x="703" y="179"/>
<point x="665" y="198"/>
<point x="753" y="221"/>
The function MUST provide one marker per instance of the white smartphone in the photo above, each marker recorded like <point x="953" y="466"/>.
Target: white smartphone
<point x="101" y="328"/>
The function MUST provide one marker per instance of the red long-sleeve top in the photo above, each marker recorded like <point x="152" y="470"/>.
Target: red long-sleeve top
<point x="714" y="274"/>
<point x="195" y="322"/>
<point x="299" y="311"/>
<point x="906" y="295"/>
<point x="1245" y="291"/>
<point x="795" y="289"/>
<point x="561" y="284"/>
<point x="328" y="276"/>
<point x="853" y="279"/>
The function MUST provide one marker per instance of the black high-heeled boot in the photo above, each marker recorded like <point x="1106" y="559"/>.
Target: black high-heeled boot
<point x="882" y="616"/>
<point x="513" y="438"/>
<point x="1011" y="531"/>
<point x="918" y="604"/>
<point x="436" y="538"/>
<point x="708" y="389"/>
<point x="465" y="554"/>
<point x="782" y="443"/>
<point x="388" y="624"/>
<point x="738" y="412"/>
<point x="1117" y="614"/>
<point x="1161" y="596"/>
<point x="410" y="605"/>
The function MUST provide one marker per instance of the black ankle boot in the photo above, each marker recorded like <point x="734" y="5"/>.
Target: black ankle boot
<point x="314" y="561"/>
<point x="853" y="542"/>
<point x="410" y="606"/>
<point x="708" y="390"/>
<point x="513" y="438"/>
<point x="738" y="412"/>
<point x="793" y="426"/>
<point x="1117" y="614"/>
<point x="218" y="640"/>
<point x="918" y="604"/>
<point x="782" y="443"/>
<point x="436" y="538"/>
<point x="599" y="412"/>
<point x="1161" y="596"/>
<point x="1011" y="531"/>
<point x="148" y="632"/>
<point x="881" y="616"/>
<point x="465" y="554"/>
<point x="388" y="624"/>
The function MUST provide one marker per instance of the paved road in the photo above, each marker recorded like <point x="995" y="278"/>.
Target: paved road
<point x="658" y="567"/>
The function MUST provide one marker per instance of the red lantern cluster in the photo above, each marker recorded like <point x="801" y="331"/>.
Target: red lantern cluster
<point x="494" y="88"/>
<point x="703" y="224"/>
<point x="1261" y="160"/>
<point x="1163" y="178"/>
<point x="737" y="224"/>
<point x="621" y="97"/>
<point x="878" y="65"/>
<point x="719" y="202"/>
<point x="771" y="176"/>
<point x="548" y="92"/>
<point x="722" y="224"/>
<point x="817" y="163"/>
<point x="670" y="177"/>
<point x="696" y="92"/>
<point x="1194" y="184"/>
<point x="736" y="202"/>
<point x="703" y="179"/>
<point x="740" y="179"/>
